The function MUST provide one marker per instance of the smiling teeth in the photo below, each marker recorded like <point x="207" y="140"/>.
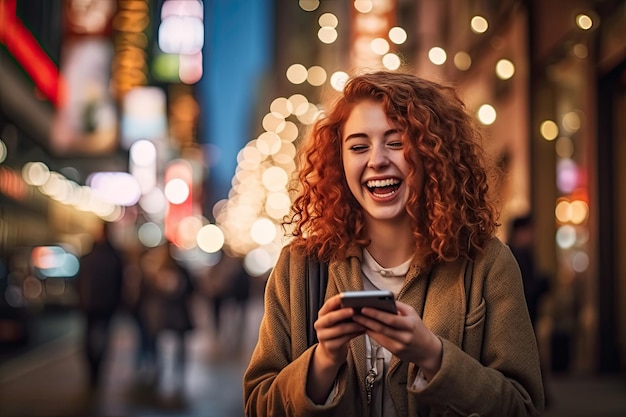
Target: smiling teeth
<point x="383" y="183"/>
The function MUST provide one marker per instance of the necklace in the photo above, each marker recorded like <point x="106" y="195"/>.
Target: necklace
<point x="373" y="372"/>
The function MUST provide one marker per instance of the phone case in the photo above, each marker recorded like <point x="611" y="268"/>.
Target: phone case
<point x="380" y="299"/>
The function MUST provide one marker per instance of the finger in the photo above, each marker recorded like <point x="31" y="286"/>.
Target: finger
<point x="376" y="327"/>
<point x="341" y="333"/>
<point x="334" y="317"/>
<point x="389" y="319"/>
<point x="404" y="309"/>
<point x="333" y="303"/>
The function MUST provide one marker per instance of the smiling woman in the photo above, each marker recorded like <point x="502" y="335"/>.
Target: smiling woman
<point x="393" y="194"/>
<point x="374" y="164"/>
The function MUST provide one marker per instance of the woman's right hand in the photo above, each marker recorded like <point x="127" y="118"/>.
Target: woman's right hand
<point x="334" y="327"/>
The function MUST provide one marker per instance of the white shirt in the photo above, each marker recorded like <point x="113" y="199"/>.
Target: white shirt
<point x="392" y="279"/>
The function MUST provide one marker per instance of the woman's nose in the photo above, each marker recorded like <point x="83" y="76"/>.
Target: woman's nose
<point x="378" y="157"/>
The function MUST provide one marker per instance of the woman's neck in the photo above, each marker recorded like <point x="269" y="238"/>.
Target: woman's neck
<point x="391" y="244"/>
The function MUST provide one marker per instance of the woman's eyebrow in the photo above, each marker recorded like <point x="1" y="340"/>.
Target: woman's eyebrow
<point x="364" y="135"/>
<point x="355" y="136"/>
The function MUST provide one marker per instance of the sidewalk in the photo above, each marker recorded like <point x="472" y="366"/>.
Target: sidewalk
<point x="50" y="380"/>
<point x="586" y="396"/>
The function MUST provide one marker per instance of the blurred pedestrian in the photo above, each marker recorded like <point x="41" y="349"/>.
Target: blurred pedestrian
<point x="164" y="306"/>
<point x="521" y="240"/>
<point x="536" y="284"/>
<point x="227" y="282"/>
<point x="100" y="291"/>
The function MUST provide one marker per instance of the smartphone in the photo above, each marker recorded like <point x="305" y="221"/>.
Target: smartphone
<point x="380" y="299"/>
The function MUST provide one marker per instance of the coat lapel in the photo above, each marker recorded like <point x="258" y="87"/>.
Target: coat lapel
<point x="444" y="310"/>
<point x="347" y="277"/>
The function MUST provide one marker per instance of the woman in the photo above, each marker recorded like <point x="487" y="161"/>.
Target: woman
<point x="393" y="193"/>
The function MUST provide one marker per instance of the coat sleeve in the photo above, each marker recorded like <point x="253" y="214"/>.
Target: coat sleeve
<point x="274" y="383"/>
<point x="502" y="377"/>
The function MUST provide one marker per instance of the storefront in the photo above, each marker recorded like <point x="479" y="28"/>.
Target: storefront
<point x="577" y="136"/>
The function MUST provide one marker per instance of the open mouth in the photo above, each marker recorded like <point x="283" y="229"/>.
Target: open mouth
<point x="383" y="188"/>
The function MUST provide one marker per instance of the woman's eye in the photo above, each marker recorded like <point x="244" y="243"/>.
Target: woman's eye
<point x="358" y="148"/>
<point x="395" y="144"/>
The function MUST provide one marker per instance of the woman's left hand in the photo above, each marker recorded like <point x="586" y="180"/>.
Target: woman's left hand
<point x="405" y="335"/>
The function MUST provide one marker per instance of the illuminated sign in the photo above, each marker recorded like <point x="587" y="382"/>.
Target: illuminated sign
<point x="130" y="63"/>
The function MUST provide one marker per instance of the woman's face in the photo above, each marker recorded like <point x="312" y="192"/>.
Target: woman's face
<point x="374" y="163"/>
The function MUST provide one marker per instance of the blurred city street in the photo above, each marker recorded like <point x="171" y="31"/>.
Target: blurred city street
<point x="49" y="380"/>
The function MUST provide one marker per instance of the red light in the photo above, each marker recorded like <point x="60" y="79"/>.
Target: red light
<point x="27" y="51"/>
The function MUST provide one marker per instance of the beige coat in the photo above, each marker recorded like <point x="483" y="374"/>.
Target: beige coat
<point x="490" y="361"/>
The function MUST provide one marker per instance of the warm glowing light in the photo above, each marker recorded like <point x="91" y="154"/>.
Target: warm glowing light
<point x="580" y="262"/>
<point x="580" y="211"/>
<point x="379" y="46"/>
<point x="281" y="106"/>
<point x="3" y="151"/>
<point x="363" y="6"/>
<point x="309" y="5"/>
<point x="505" y="69"/>
<point x="176" y="191"/>
<point x="277" y="205"/>
<point x="437" y="55"/>
<point x="273" y="122"/>
<point x="258" y="262"/>
<point x="187" y="232"/>
<point x="580" y="51"/>
<point x="549" y="130"/>
<point x="153" y="202"/>
<point x="584" y="21"/>
<point x="143" y="153"/>
<point x="299" y="103"/>
<point x="309" y="115"/>
<point x="210" y="238"/>
<point x="462" y="60"/>
<point x="290" y="132"/>
<point x="392" y="61"/>
<point x="327" y="34"/>
<point x="486" y="114"/>
<point x="35" y="173"/>
<point x="338" y="80"/>
<point x="479" y="24"/>
<point x="563" y="211"/>
<point x="316" y="75"/>
<point x="397" y="35"/>
<point x="268" y="143"/>
<point x="263" y="231"/>
<point x="328" y="20"/>
<point x="564" y="147"/>
<point x="571" y="122"/>
<point x="296" y="74"/>
<point x="285" y="156"/>
<point x="275" y="179"/>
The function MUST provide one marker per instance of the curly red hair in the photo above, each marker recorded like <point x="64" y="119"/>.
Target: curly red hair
<point x="452" y="217"/>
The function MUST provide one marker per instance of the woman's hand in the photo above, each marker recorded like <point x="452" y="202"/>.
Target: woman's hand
<point x="405" y="335"/>
<point x="335" y="328"/>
